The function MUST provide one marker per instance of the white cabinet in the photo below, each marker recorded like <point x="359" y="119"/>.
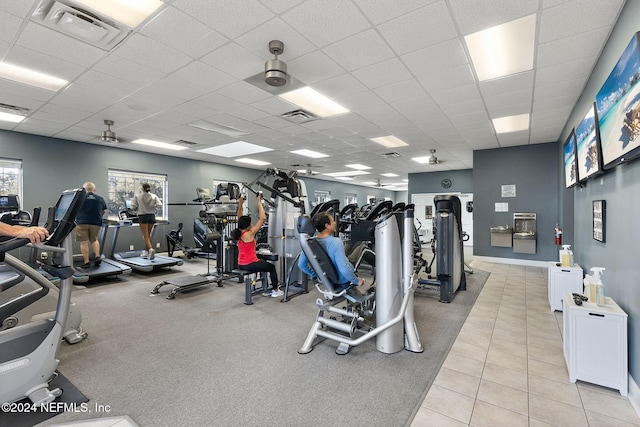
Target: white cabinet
<point x="595" y="343"/>
<point x="561" y="280"/>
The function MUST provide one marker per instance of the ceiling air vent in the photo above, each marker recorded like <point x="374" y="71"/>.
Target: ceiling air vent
<point x="89" y="27"/>
<point x="299" y="116"/>
<point x="391" y="154"/>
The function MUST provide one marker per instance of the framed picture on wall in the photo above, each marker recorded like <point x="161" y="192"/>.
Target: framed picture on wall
<point x="599" y="209"/>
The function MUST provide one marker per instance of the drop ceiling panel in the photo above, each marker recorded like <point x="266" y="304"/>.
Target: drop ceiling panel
<point x="129" y="71"/>
<point x="313" y="67"/>
<point x="448" y="79"/>
<point x="41" y="39"/>
<point x="182" y="32"/>
<point x="424" y="27"/>
<point x="151" y="53"/>
<point x="435" y="59"/>
<point x="473" y="16"/>
<point x="360" y="50"/>
<point x="591" y="14"/>
<point x="326" y="21"/>
<point x="571" y="48"/>
<point x="383" y="74"/>
<point x="228" y="17"/>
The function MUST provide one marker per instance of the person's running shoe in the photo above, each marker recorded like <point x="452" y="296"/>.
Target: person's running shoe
<point x="145" y="254"/>
<point x="268" y="293"/>
<point x="97" y="261"/>
<point x="152" y="254"/>
<point x="276" y="293"/>
<point x="86" y="265"/>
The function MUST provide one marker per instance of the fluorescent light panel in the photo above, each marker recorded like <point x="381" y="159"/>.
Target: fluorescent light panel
<point x="235" y="149"/>
<point x="130" y="13"/>
<point x="511" y="123"/>
<point x="390" y="141"/>
<point x="423" y="160"/>
<point x="158" y="144"/>
<point x="13" y="118"/>
<point x="346" y="173"/>
<point x="358" y="166"/>
<point x="310" y="153"/>
<point x="252" y="161"/>
<point x="214" y="127"/>
<point x="313" y="101"/>
<point x="389" y="174"/>
<point x="31" y="77"/>
<point x="344" y="178"/>
<point x="504" y="49"/>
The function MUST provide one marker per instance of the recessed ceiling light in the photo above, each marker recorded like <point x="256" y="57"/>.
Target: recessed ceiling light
<point x="214" y="127"/>
<point x="346" y="173"/>
<point x="370" y="183"/>
<point x="158" y="144"/>
<point x="252" y="161"/>
<point x="234" y="149"/>
<point x="389" y="174"/>
<point x="504" y="49"/>
<point x="131" y="13"/>
<point x="358" y="166"/>
<point x="314" y="102"/>
<point x="344" y="178"/>
<point x="310" y="153"/>
<point x="511" y="123"/>
<point x="390" y="141"/>
<point x="31" y="77"/>
<point x="13" y="118"/>
<point x="424" y="159"/>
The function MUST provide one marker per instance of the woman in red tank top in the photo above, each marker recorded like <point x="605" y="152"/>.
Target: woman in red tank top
<point x="245" y="235"/>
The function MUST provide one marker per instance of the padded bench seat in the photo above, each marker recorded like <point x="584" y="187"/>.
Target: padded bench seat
<point x="251" y="278"/>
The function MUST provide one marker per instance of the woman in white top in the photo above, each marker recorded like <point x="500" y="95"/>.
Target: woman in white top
<point x="145" y="205"/>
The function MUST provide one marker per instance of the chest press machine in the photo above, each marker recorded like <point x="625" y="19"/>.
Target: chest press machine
<point x="391" y="303"/>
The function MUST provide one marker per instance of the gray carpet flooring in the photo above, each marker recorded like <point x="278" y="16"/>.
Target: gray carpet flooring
<point x="206" y="358"/>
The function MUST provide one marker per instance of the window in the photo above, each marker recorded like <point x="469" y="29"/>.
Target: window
<point x="350" y="198"/>
<point x="122" y="186"/>
<point x="11" y="177"/>
<point x="321" y="196"/>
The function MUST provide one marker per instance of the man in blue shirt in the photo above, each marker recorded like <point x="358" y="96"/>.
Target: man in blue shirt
<point x="326" y="226"/>
<point x="89" y="222"/>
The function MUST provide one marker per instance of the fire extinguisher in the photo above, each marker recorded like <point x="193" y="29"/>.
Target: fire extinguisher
<point x="558" y="235"/>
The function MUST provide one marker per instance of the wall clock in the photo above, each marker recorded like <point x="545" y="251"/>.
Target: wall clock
<point x="446" y="183"/>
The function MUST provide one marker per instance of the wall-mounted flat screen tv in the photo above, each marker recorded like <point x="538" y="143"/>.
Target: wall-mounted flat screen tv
<point x="570" y="163"/>
<point x="588" y="145"/>
<point x="618" y="108"/>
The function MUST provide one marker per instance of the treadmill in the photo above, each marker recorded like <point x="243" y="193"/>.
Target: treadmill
<point x="107" y="268"/>
<point x="134" y="258"/>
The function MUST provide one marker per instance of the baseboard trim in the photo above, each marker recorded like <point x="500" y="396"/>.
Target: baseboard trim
<point x="634" y="395"/>
<point x="514" y="261"/>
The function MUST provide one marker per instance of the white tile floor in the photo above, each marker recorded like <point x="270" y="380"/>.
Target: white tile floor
<point x="506" y="367"/>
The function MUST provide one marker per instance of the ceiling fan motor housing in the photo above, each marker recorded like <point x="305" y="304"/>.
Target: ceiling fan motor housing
<point x="275" y="71"/>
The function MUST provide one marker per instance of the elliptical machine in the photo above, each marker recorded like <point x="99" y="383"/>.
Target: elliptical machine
<point x="28" y="353"/>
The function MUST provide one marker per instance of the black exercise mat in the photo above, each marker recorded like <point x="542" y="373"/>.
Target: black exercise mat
<point x="24" y="414"/>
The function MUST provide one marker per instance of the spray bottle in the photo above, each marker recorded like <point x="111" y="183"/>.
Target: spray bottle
<point x="597" y="281"/>
<point x="565" y="256"/>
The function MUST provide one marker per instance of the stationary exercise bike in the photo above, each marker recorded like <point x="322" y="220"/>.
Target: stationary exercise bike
<point x="28" y="353"/>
